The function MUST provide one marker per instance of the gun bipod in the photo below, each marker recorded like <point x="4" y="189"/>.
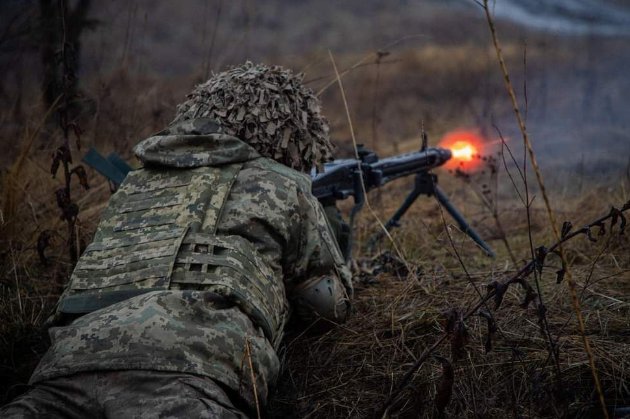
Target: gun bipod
<point x="425" y="183"/>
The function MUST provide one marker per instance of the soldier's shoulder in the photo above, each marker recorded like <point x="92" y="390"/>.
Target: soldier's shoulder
<point x="301" y="180"/>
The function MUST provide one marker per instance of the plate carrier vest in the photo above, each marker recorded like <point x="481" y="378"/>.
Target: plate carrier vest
<point x="159" y="233"/>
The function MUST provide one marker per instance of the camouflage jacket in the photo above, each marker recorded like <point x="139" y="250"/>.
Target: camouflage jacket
<point x="175" y="285"/>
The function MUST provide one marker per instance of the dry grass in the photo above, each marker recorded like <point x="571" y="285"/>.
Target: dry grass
<point x="351" y="370"/>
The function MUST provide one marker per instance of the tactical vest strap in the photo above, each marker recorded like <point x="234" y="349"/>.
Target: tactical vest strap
<point x="86" y="303"/>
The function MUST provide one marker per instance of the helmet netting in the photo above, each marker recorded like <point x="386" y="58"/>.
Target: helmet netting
<point x="267" y="107"/>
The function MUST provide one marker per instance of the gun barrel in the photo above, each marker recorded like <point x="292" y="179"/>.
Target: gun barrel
<point x="337" y="179"/>
<point x="342" y="178"/>
<point x="406" y="164"/>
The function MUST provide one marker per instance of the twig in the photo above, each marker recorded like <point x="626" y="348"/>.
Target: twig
<point x="469" y="277"/>
<point x="10" y="180"/>
<point x="406" y="379"/>
<point x="525" y="80"/>
<point x="504" y="145"/>
<point x="208" y="58"/>
<point x="131" y="17"/>
<point x="17" y="283"/>
<point x="491" y="204"/>
<point x="379" y="56"/>
<point x="523" y="273"/>
<point x="356" y="153"/>
<point x="67" y="78"/>
<point x="550" y="213"/>
<point x="343" y="72"/>
<point x="204" y="30"/>
<point x="542" y="311"/>
<point x="248" y="354"/>
<point x="361" y="62"/>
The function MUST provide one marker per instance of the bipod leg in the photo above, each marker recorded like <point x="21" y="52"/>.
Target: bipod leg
<point x="463" y="225"/>
<point x="422" y="186"/>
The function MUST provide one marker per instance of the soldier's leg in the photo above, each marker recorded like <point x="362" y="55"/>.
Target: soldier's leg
<point x="156" y="394"/>
<point x="62" y="397"/>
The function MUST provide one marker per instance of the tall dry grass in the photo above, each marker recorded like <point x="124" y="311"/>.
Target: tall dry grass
<point x="351" y="370"/>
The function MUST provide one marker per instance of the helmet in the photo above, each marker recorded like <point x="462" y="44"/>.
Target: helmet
<point x="267" y="107"/>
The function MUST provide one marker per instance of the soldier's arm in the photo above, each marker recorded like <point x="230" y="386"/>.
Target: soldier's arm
<point x="340" y="228"/>
<point x="321" y="283"/>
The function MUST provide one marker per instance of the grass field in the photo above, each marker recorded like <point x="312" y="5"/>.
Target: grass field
<point x="533" y="363"/>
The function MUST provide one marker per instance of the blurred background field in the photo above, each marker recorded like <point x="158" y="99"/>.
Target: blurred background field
<point x="404" y="64"/>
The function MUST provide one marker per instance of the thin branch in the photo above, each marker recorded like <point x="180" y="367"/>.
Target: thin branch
<point x="505" y="146"/>
<point x="356" y="153"/>
<point x="520" y="276"/>
<point x="208" y="58"/>
<point x="552" y="217"/>
<point x="361" y="62"/>
<point x="248" y="353"/>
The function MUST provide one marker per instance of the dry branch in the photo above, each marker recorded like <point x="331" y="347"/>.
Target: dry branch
<point x="497" y="290"/>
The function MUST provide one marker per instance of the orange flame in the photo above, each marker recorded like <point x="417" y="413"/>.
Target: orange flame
<point x="463" y="150"/>
<point x="465" y="147"/>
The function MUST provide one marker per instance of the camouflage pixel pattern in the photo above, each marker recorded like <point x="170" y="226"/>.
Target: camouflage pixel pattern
<point x="138" y="394"/>
<point x="159" y="233"/>
<point x="270" y="236"/>
<point x="144" y="225"/>
<point x="267" y="107"/>
<point x="203" y="142"/>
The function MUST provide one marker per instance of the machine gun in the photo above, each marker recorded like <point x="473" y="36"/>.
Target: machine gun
<point x="351" y="177"/>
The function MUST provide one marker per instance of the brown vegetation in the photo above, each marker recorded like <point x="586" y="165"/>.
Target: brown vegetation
<point x="521" y="369"/>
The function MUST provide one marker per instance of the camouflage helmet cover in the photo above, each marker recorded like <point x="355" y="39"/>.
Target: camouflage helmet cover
<point x="267" y="107"/>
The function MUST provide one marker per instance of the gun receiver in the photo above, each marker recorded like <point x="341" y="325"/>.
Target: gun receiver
<point x="342" y="178"/>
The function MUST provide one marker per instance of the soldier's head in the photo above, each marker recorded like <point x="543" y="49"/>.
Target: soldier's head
<point x="267" y="107"/>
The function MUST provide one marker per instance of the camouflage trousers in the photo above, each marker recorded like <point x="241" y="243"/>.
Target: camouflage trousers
<point x="124" y="394"/>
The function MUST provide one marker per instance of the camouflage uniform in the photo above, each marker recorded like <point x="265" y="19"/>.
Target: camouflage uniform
<point x="189" y="275"/>
<point x="123" y="394"/>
